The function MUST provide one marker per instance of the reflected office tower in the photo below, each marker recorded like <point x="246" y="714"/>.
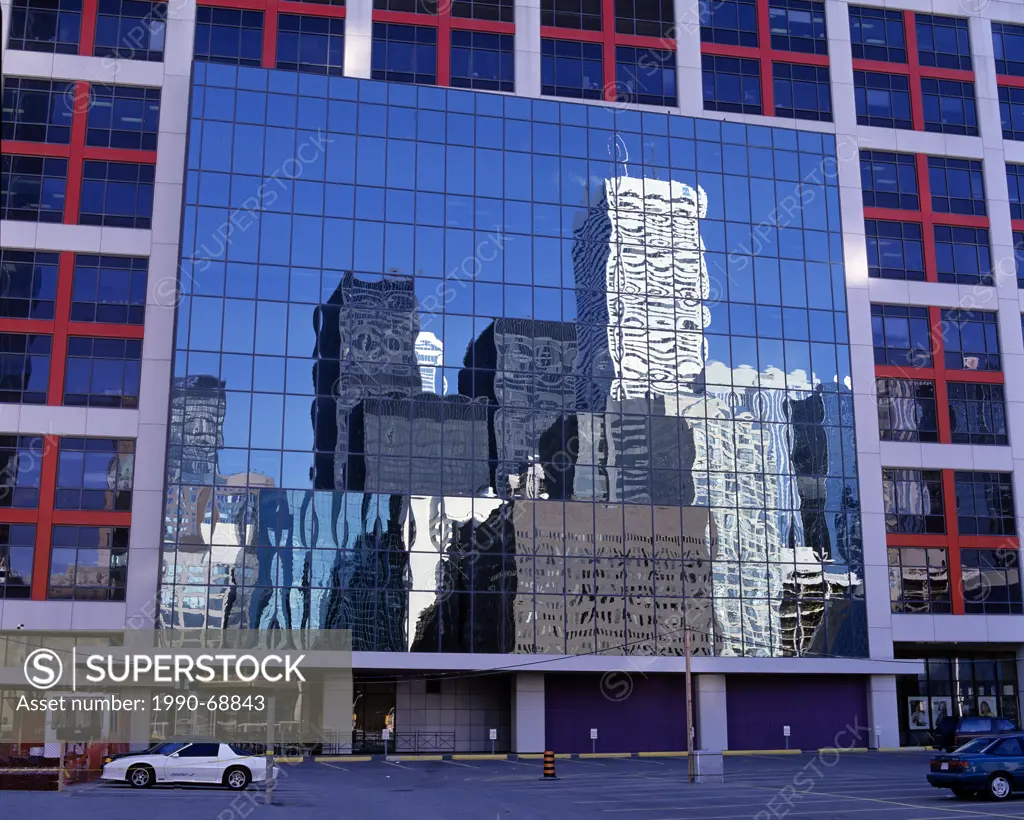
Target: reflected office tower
<point x="198" y="410"/>
<point x="534" y="384"/>
<point x="430" y="358"/>
<point x="641" y="285"/>
<point x="366" y="339"/>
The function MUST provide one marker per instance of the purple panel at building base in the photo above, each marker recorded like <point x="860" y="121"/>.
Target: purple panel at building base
<point x="818" y="709"/>
<point x="631" y="712"/>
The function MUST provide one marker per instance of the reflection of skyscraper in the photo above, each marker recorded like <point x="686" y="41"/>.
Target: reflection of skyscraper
<point x="430" y="358"/>
<point x="198" y="409"/>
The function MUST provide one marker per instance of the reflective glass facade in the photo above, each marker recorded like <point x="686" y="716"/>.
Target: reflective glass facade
<point x="472" y="373"/>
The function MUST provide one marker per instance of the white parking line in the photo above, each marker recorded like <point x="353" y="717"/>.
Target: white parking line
<point x="456" y="763"/>
<point x="334" y="766"/>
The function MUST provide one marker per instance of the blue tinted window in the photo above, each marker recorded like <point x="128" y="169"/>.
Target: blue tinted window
<point x="21" y="462"/>
<point x="46" y="25"/>
<point x="32" y="188"/>
<point x="1018" y="253"/>
<point x="949" y="107"/>
<point x="888" y="180"/>
<point x="877" y="34"/>
<point x="802" y="92"/>
<point x="123" y="116"/>
<point x="496" y="10"/>
<point x="984" y="506"/>
<point x="38" y="110"/>
<point x="404" y="54"/>
<point x="647" y="18"/>
<point x="229" y="36"/>
<point x="798" y="25"/>
<point x="408" y="6"/>
<point x="28" y="284"/>
<point x="957" y="186"/>
<point x="882" y="100"/>
<point x="24" y="368"/>
<point x="991" y="578"/>
<point x="729" y="22"/>
<point x="731" y="84"/>
<point x="109" y="289"/>
<point x="17" y="554"/>
<point x="895" y="250"/>
<point x="571" y="69"/>
<point x="913" y="501"/>
<point x="962" y="255"/>
<point x="1015" y="181"/>
<point x="943" y="42"/>
<point x="645" y="75"/>
<point x="1008" y="40"/>
<point x="483" y="60"/>
<point x="977" y="413"/>
<point x="119" y="194"/>
<point x="88" y="563"/>
<point x="131" y="30"/>
<point x="95" y="474"/>
<point x="1011" y="112"/>
<point x="906" y="410"/>
<point x="971" y="338"/>
<point x="578" y="14"/>
<point x="313" y="44"/>
<point x="102" y="372"/>
<point x="901" y="335"/>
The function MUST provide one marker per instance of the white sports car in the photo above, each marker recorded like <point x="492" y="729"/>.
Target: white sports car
<point x="188" y="762"/>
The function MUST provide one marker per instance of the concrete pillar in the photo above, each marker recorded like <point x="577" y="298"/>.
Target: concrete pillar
<point x="358" y="37"/>
<point x="527" y="47"/>
<point x="528" y="712"/>
<point x="883" y="716"/>
<point x="710" y="713"/>
<point x="337" y="713"/>
<point x="689" y="83"/>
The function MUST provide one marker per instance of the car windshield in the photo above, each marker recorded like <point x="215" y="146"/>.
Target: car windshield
<point x="978" y="745"/>
<point x="165" y="748"/>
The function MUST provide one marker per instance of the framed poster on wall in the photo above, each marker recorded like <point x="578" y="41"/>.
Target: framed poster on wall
<point x="987" y="706"/>
<point x="919" y="718"/>
<point x="941" y="708"/>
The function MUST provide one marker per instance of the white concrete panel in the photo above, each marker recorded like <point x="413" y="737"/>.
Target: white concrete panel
<point x="712" y="728"/>
<point x="527" y="50"/>
<point x="111" y="423"/>
<point x="149" y="460"/>
<point x="15" y="234"/>
<point x="528" y="713"/>
<point x="883" y="715"/>
<point x="97" y="615"/>
<point x="41" y="615"/>
<point x="129" y="241"/>
<point x="155" y="392"/>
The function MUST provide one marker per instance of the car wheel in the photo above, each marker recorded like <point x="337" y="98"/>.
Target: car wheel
<point x="999" y="786"/>
<point x="141" y="777"/>
<point x="964" y="794"/>
<point x="237" y="778"/>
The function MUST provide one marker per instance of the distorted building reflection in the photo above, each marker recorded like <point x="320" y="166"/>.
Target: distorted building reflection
<point x="590" y="486"/>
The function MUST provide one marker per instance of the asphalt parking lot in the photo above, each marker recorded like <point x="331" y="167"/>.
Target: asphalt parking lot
<point x="822" y="786"/>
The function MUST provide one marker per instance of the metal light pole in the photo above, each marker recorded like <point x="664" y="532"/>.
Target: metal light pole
<point x="689" y="698"/>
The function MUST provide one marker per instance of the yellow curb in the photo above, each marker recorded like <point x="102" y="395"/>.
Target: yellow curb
<point x="662" y="754"/>
<point x="906" y="749"/>
<point x="534" y="756"/>
<point x="749" y="752"/>
<point x="342" y="759"/>
<point x="597" y="755"/>
<point x="479" y="757"/>
<point x="291" y="759"/>
<point x="414" y="758"/>
<point x="841" y="749"/>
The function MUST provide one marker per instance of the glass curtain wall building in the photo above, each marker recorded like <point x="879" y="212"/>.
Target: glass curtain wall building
<point x="521" y="342"/>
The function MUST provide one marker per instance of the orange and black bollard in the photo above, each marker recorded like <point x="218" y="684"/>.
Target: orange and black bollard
<point x="549" y="766"/>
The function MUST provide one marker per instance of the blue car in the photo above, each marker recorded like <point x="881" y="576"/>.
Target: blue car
<point x="986" y="766"/>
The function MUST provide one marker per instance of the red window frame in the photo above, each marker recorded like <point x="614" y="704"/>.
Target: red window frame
<point x="914" y="70"/>
<point x="609" y="39"/>
<point x="45" y="517"/>
<point x="926" y="217"/>
<point x="952" y="541"/>
<point x="765" y="55"/>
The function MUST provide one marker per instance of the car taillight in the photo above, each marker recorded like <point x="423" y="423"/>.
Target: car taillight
<point x="959" y="766"/>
